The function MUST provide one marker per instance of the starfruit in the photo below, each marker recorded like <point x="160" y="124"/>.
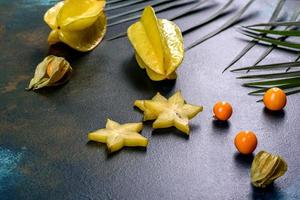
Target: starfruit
<point x="266" y="168"/>
<point x="52" y="71"/>
<point x="168" y="112"/>
<point x="158" y="45"/>
<point x="116" y="135"/>
<point x="81" y="24"/>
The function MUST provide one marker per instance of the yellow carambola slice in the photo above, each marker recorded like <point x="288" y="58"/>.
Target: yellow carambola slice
<point x="116" y="135"/>
<point x="158" y="45"/>
<point x="169" y="112"/>
<point x="81" y="24"/>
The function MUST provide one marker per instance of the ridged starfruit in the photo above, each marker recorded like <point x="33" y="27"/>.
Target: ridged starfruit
<point x="81" y="24"/>
<point x="158" y="45"/>
<point x="266" y="168"/>
<point x="168" y="112"/>
<point x="116" y="135"/>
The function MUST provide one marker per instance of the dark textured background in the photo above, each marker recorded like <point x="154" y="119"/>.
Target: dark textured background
<point x="44" y="152"/>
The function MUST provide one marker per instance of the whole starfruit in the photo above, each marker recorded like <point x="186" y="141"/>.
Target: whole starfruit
<point x="81" y="24"/>
<point x="158" y="45"/>
<point x="266" y="168"/>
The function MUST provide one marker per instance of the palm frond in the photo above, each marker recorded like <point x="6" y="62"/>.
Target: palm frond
<point x="252" y="43"/>
<point x="272" y="83"/>
<point x="296" y="60"/>
<point x="276" y="24"/>
<point x="271" y="75"/>
<point x="295" y="33"/>
<point x="269" y="66"/>
<point x="294" y="17"/>
<point x="229" y="23"/>
<point x="272" y="40"/>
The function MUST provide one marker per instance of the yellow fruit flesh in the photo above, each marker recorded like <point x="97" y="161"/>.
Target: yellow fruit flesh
<point x="116" y="135"/>
<point x="168" y="113"/>
<point x="86" y="39"/>
<point x="146" y="51"/>
<point x="158" y="44"/>
<point x="51" y="14"/>
<point x="173" y="45"/>
<point x="81" y="24"/>
<point x="79" y="14"/>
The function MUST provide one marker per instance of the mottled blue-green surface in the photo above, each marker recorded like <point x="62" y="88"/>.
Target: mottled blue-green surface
<point x="44" y="152"/>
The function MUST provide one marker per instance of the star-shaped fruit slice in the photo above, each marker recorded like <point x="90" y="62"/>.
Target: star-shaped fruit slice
<point x="169" y="112"/>
<point x="81" y="24"/>
<point x="158" y="45"/>
<point x="116" y="135"/>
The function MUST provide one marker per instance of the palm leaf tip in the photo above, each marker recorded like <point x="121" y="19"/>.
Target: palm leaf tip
<point x="273" y="41"/>
<point x="252" y="43"/>
<point x="228" y="24"/>
<point x="275" y="24"/>
<point x="269" y="66"/>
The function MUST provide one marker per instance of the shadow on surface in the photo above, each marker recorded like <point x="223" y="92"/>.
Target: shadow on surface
<point x="131" y="149"/>
<point x="274" y="115"/>
<point x="243" y="161"/>
<point x="220" y="125"/>
<point x="191" y="29"/>
<point x="140" y="80"/>
<point x="270" y="192"/>
<point x="109" y="155"/>
<point x="168" y="131"/>
<point x="203" y="8"/>
<point x="63" y="50"/>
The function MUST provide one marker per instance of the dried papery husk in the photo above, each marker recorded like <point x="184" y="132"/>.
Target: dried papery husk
<point x="59" y="72"/>
<point x="266" y="168"/>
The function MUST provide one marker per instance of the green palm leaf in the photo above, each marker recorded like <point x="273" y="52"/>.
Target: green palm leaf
<point x="292" y="23"/>
<point x="273" y="41"/>
<point x="285" y="87"/>
<point x="283" y="38"/>
<point x="272" y="82"/>
<point x="228" y="24"/>
<point x="276" y="32"/>
<point x="271" y="75"/>
<point x="269" y="66"/>
<point x="296" y="60"/>
<point x="252" y="43"/>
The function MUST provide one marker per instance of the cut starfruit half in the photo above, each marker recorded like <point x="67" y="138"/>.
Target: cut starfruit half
<point x="158" y="45"/>
<point x="116" y="135"/>
<point x="168" y="112"/>
<point x="81" y="24"/>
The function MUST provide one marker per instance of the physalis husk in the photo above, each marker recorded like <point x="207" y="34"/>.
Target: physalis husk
<point x="52" y="71"/>
<point x="81" y="24"/>
<point x="158" y="45"/>
<point x="266" y="168"/>
<point x="116" y="135"/>
<point x="168" y="112"/>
